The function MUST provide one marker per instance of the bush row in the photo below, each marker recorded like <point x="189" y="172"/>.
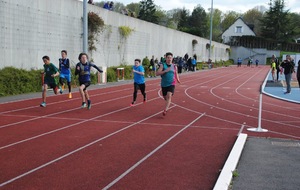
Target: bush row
<point x="14" y="81"/>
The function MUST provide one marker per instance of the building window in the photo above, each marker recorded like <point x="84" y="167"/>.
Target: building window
<point x="238" y="29"/>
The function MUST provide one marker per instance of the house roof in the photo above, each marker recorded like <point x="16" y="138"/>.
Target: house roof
<point x="248" y="25"/>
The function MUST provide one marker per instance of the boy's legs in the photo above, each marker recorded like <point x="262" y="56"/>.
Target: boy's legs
<point x="168" y="99"/>
<point x="167" y="94"/>
<point x="143" y="88"/>
<point x="44" y="94"/>
<point x="82" y="93"/>
<point x="135" y="89"/>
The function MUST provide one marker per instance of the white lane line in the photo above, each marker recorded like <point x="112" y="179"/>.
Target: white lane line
<point x="74" y="151"/>
<point x="150" y="154"/>
<point x="68" y="126"/>
<point x="61" y="112"/>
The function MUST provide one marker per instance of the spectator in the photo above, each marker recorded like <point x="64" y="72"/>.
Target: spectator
<point x="106" y="5"/>
<point x="288" y="66"/>
<point x="239" y="62"/>
<point x="111" y="6"/>
<point x="277" y="67"/>
<point x="180" y="65"/>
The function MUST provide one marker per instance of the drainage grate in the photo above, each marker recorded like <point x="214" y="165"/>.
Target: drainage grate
<point x="286" y="144"/>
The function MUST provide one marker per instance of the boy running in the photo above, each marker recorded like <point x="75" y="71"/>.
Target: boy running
<point x="169" y="76"/>
<point x="83" y="69"/>
<point x="65" y="72"/>
<point x="139" y="80"/>
<point x="50" y="72"/>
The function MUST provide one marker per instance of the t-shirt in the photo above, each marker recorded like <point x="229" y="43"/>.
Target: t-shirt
<point x="49" y="70"/>
<point x="139" y="79"/>
<point x="273" y="65"/>
<point x="168" y="79"/>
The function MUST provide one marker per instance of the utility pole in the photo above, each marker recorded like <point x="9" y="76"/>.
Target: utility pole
<point x="85" y="27"/>
<point x="211" y="23"/>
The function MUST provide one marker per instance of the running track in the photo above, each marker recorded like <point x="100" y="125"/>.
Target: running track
<point x="114" y="146"/>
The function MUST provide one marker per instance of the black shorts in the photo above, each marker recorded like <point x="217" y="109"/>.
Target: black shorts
<point x="167" y="89"/>
<point x="86" y="84"/>
<point x="50" y="84"/>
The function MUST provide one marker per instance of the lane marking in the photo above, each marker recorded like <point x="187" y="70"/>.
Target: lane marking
<point x="150" y="154"/>
<point x="76" y="150"/>
<point x="66" y="127"/>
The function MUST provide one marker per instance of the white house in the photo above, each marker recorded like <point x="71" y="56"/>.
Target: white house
<point x="238" y="28"/>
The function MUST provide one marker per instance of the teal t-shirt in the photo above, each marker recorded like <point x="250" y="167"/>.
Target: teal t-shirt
<point x="168" y="79"/>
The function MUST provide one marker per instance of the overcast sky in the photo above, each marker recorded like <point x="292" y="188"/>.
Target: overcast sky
<point x="239" y="6"/>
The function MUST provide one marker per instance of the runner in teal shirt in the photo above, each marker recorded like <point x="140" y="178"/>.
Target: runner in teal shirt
<point x="169" y="76"/>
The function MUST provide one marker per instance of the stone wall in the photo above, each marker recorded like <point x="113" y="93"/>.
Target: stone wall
<point x="31" y="29"/>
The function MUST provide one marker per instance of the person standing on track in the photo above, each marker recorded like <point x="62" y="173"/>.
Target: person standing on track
<point x="49" y="74"/>
<point x="65" y="72"/>
<point x="83" y="69"/>
<point x="298" y="73"/>
<point x="277" y="67"/>
<point x="139" y="80"/>
<point x="288" y="66"/>
<point x="273" y="68"/>
<point x="169" y="75"/>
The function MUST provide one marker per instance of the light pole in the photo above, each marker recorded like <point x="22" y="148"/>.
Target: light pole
<point x="85" y="27"/>
<point x="211" y="23"/>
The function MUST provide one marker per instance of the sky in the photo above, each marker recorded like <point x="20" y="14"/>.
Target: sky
<point x="240" y="6"/>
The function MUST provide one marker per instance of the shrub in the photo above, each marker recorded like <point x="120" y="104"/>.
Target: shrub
<point x="15" y="81"/>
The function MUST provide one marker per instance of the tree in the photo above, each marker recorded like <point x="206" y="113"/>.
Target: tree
<point x="133" y="8"/>
<point x="229" y="18"/>
<point x="276" y="24"/>
<point x="198" y="22"/>
<point x="253" y="16"/>
<point x="183" y="19"/>
<point x="295" y="19"/>
<point x="147" y="11"/>
<point x="217" y="30"/>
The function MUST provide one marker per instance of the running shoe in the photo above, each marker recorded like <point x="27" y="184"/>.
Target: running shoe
<point x="43" y="104"/>
<point x="60" y="90"/>
<point x="70" y="95"/>
<point x="132" y="104"/>
<point x="164" y="112"/>
<point x="145" y="100"/>
<point x="89" y="105"/>
<point x="63" y="87"/>
<point x="83" y="105"/>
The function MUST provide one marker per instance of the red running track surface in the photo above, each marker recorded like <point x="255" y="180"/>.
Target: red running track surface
<point x="115" y="146"/>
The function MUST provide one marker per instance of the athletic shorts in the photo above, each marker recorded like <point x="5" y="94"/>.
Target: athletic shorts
<point x="65" y="76"/>
<point x="167" y="89"/>
<point x="86" y="84"/>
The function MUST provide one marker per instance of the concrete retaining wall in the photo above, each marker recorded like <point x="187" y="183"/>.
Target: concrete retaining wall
<point x="31" y="29"/>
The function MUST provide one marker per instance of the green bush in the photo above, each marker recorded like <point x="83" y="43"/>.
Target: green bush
<point x="15" y="81"/>
<point x="112" y="73"/>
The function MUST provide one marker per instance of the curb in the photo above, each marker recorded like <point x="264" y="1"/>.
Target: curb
<point x="225" y="177"/>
